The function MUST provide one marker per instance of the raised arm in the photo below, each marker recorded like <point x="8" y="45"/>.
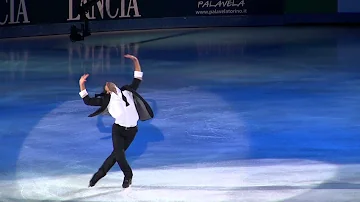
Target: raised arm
<point x="138" y="74"/>
<point x="84" y="94"/>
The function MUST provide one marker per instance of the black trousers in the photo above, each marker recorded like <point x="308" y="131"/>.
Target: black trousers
<point x="122" y="138"/>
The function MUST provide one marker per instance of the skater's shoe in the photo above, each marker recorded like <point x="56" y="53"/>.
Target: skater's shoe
<point x="95" y="178"/>
<point x="127" y="182"/>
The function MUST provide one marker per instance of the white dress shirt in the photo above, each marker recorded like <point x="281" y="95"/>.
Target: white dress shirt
<point x="126" y="116"/>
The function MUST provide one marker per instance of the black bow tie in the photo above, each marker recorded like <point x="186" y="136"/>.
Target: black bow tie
<point x="124" y="98"/>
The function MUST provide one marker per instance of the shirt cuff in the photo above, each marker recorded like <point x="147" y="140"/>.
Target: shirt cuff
<point x="138" y="74"/>
<point x="83" y="93"/>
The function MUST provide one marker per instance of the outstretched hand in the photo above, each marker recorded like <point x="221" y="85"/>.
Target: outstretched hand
<point x="130" y="57"/>
<point x="83" y="79"/>
<point x="136" y="63"/>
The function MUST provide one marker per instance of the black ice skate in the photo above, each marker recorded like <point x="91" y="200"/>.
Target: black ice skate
<point x="126" y="183"/>
<point x="95" y="178"/>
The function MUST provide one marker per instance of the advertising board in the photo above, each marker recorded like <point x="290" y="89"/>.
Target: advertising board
<point x="26" y="12"/>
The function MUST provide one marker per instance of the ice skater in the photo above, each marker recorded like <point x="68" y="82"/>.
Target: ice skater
<point x="126" y="106"/>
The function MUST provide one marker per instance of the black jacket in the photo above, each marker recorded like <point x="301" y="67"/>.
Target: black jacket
<point x="143" y="108"/>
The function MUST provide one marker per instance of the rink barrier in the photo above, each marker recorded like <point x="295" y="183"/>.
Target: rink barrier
<point x="40" y="12"/>
<point x="43" y="17"/>
<point x="22" y="18"/>
<point x="180" y="22"/>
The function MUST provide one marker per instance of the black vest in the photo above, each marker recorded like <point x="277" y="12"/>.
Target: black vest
<point x="142" y="107"/>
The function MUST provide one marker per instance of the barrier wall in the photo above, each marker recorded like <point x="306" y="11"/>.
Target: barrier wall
<point x="45" y="17"/>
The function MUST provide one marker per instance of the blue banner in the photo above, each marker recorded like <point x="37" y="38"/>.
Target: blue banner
<point x="349" y="6"/>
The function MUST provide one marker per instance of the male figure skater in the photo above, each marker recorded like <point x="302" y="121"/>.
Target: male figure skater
<point x="126" y="106"/>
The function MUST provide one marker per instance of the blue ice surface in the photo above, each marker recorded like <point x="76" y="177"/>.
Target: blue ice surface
<point x="295" y="89"/>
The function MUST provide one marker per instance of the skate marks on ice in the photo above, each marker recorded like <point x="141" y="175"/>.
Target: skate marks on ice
<point x="67" y="141"/>
<point x="65" y="148"/>
<point x="247" y="180"/>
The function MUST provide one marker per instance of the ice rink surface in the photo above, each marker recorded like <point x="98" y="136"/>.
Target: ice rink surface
<point x="241" y="115"/>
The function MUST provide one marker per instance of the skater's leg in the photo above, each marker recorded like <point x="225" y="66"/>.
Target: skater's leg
<point x="108" y="163"/>
<point x="121" y="141"/>
<point x="119" y="149"/>
<point x="130" y="138"/>
<point x="104" y="169"/>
